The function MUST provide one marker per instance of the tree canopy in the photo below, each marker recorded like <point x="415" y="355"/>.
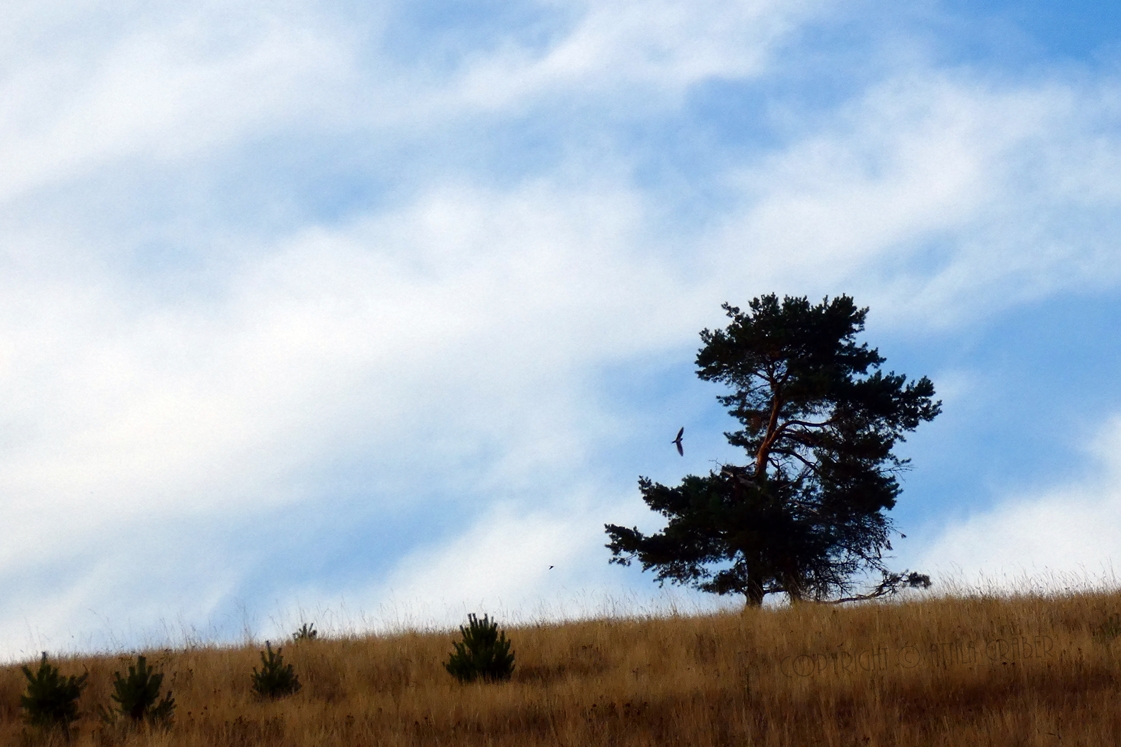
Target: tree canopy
<point x="819" y="424"/>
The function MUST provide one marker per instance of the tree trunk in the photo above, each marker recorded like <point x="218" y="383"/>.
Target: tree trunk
<point x="792" y="584"/>
<point x="754" y="594"/>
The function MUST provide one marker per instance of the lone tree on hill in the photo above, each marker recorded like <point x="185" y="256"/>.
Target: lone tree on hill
<point x="806" y="512"/>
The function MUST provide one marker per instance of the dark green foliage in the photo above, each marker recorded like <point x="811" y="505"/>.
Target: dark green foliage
<point x="276" y="679"/>
<point x="305" y="633"/>
<point x="819" y="424"/>
<point x="51" y="699"/>
<point x="483" y="652"/>
<point x="138" y="696"/>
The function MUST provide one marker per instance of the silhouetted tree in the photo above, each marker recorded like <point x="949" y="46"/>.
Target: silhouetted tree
<point x="819" y="425"/>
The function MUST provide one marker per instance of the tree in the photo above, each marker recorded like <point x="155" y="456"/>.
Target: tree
<point x="819" y="426"/>
<point x="276" y="679"/>
<point x="51" y="699"/>
<point x="138" y="696"/>
<point x="483" y="651"/>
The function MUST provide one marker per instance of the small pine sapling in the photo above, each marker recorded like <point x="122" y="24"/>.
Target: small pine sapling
<point x="483" y="652"/>
<point x="276" y="679"/>
<point x="51" y="699"/>
<point x="305" y="633"/>
<point x="138" y="696"/>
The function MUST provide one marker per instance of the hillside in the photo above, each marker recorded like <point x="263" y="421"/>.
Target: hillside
<point x="956" y="671"/>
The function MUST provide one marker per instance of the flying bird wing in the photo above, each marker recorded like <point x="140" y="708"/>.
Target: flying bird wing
<point x="677" y="441"/>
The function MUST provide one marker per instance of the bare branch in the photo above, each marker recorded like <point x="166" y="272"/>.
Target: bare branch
<point x="892" y="584"/>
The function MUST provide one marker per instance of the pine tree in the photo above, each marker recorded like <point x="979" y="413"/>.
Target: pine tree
<point x="138" y="695"/>
<point x="819" y="425"/>
<point x="482" y="652"/>
<point x="51" y="699"/>
<point x="276" y="679"/>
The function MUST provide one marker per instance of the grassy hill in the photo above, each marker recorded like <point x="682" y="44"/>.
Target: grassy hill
<point x="961" y="671"/>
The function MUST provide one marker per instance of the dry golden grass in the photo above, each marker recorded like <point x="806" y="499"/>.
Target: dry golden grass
<point x="928" y="672"/>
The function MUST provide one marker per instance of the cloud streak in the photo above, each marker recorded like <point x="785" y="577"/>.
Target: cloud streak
<point x="1056" y="538"/>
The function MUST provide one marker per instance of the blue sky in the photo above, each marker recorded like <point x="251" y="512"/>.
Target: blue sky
<point x="369" y="313"/>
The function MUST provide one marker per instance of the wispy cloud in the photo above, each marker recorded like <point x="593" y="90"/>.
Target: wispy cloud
<point x="941" y="197"/>
<point x="637" y="53"/>
<point x="162" y="87"/>
<point x="1058" y="537"/>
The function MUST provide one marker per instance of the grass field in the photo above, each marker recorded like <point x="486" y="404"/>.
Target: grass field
<point x="965" y="671"/>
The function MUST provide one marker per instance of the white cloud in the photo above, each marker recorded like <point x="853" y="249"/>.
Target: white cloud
<point x="940" y="197"/>
<point x="161" y="89"/>
<point x="521" y="564"/>
<point x="174" y="83"/>
<point x="1058" y="537"/>
<point x="503" y="560"/>
<point x="623" y="47"/>
<point x="466" y="322"/>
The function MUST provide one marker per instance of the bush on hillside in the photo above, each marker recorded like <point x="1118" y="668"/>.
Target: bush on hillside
<point x="138" y="696"/>
<point x="484" y="652"/>
<point x="276" y="679"/>
<point x="51" y="699"/>
<point x="305" y="633"/>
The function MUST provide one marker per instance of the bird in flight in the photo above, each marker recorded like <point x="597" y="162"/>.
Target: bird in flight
<point x="677" y="441"/>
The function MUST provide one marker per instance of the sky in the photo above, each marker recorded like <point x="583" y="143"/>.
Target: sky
<point x="366" y="314"/>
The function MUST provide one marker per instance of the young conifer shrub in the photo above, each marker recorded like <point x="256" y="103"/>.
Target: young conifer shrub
<point x="276" y="679"/>
<point x="138" y="696"/>
<point x="305" y="633"/>
<point x="51" y="699"/>
<point x="483" y="652"/>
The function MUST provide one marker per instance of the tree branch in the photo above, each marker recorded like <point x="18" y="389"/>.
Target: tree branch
<point x="892" y="584"/>
<point x="807" y="424"/>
